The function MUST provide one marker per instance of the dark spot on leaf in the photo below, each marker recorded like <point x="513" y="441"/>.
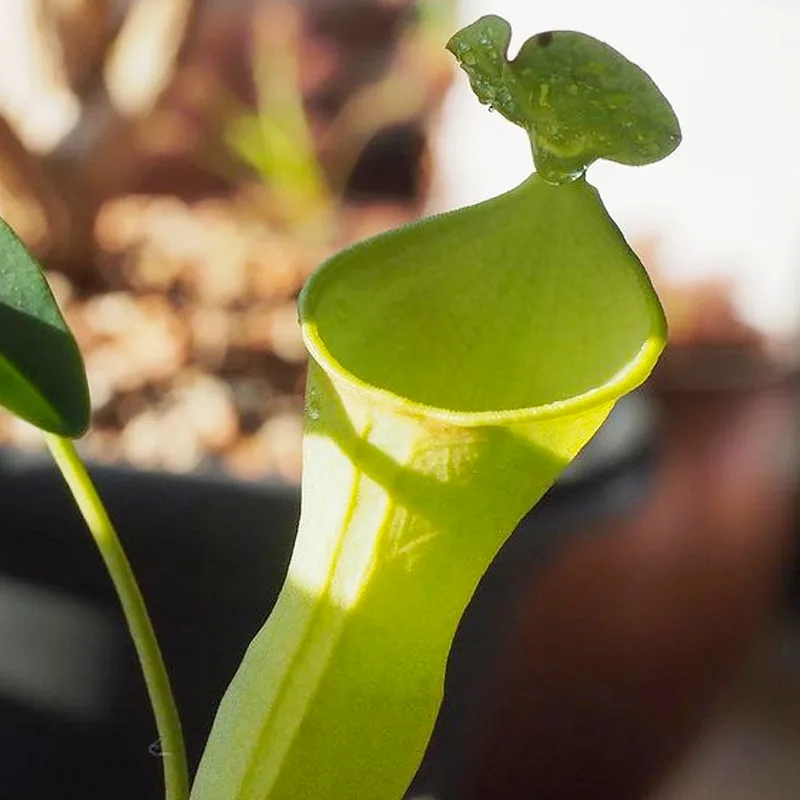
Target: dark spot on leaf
<point x="544" y="39"/>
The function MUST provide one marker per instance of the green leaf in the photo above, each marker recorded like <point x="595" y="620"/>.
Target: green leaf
<point x="578" y="99"/>
<point x="42" y="378"/>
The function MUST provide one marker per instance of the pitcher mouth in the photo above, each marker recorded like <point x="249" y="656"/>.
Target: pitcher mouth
<point x="629" y="377"/>
<point x="526" y="306"/>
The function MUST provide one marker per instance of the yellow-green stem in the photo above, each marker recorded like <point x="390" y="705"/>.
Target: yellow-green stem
<point x="176" y="773"/>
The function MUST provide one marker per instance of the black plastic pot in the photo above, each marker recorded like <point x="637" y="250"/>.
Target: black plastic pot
<point x="210" y="555"/>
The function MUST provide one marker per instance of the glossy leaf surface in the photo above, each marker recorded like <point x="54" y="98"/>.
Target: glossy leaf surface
<point x="42" y="378"/>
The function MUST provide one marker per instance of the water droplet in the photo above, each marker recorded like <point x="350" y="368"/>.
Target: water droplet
<point x="505" y="101"/>
<point x="483" y="89"/>
<point x="156" y="748"/>
<point x="544" y="95"/>
<point x="561" y="176"/>
<point x="555" y="168"/>
<point x="312" y="406"/>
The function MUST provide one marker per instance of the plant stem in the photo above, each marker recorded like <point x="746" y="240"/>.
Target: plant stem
<point x="176" y="772"/>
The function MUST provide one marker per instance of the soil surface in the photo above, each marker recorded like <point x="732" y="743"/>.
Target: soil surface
<point x="187" y="317"/>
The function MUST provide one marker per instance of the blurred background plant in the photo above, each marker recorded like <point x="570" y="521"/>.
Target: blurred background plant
<point x="275" y="139"/>
<point x="180" y="166"/>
